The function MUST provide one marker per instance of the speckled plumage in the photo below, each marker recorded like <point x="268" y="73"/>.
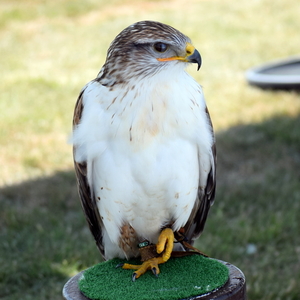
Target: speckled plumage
<point x="144" y="148"/>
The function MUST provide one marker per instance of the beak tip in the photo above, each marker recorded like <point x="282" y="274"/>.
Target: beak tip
<point x="195" y="58"/>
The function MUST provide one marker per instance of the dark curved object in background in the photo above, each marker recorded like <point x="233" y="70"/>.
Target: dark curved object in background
<point x="283" y="74"/>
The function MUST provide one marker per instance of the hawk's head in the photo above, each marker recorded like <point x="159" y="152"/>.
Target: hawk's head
<point x="145" y="48"/>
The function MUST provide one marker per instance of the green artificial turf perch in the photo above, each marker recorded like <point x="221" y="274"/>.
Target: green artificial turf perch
<point x="179" y="278"/>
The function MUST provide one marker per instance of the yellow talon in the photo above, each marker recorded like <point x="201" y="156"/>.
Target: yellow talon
<point x="165" y="243"/>
<point x="164" y="247"/>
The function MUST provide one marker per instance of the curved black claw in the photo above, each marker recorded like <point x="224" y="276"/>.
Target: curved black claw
<point x="154" y="271"/>
<point x="119" y="265"/>
<point x="133" y="277"/>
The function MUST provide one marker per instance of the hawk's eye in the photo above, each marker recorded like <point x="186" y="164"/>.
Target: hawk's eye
<point x="160" y="47"/>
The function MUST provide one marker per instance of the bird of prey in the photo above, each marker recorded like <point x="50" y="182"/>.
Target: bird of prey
<point x="144" y="148"/>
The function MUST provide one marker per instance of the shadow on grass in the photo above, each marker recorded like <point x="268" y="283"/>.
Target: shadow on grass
<point x="254" y="223"/>
<point x="44" y="238"/>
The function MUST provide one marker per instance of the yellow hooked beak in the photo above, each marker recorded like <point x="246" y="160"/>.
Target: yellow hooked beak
<point x="192" y="56"/>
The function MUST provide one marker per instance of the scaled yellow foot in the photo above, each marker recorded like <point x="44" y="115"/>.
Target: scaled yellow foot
<point x="164" y="248"/>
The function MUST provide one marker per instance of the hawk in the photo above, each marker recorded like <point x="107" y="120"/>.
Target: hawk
<point x="144" y="148"/>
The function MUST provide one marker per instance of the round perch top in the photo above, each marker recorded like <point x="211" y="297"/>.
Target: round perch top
<point x="179" y="278"/>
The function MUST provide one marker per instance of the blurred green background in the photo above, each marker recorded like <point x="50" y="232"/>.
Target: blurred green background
<point x="50" y="49"/>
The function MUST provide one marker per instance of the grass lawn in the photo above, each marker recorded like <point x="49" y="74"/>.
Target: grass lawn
<point x="49" y="50"/>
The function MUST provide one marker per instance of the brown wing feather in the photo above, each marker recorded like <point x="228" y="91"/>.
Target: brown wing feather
<point x="205" y="199"/>
<point x="88" y="202"/>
